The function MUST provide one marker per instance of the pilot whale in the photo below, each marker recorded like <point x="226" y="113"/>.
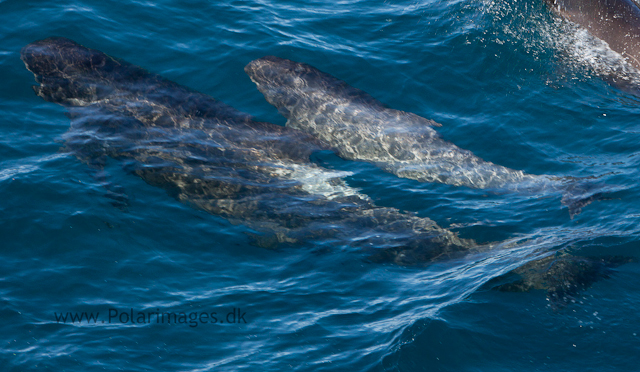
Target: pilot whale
<point x="215" y="158"/>
<point x="362" y="128"/>
<point x="210" y="156"/>
<point x="616" y="22"/>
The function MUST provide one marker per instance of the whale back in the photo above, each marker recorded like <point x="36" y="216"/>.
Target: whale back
<point x="616" y="22"/>
<point x="73" y="75"/>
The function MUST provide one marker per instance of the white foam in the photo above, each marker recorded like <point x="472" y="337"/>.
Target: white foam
<point x="27" y="165"/>
<point x="595" y="54"/>
<point x="581" y="53"/>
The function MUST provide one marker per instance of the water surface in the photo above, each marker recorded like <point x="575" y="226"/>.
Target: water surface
<point x="506" y="79"/>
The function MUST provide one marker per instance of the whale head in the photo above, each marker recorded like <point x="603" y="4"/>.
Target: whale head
<point x="294" y="86"/>
<point x="283" y="82"/>
<point x="271" y="71"/>
<point x="69" y="73"/>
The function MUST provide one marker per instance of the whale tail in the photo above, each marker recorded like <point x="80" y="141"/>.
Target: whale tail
<point x="578" y="195"/>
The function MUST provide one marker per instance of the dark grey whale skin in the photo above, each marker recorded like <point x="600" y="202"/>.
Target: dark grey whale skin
<point x="215" y="158"/>
<point x="360" y="127"/>
<point x="562" y="276"/>
<point x="617" y="22"/>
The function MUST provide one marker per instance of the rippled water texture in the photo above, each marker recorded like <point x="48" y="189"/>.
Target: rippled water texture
<point x="507" y="80"/>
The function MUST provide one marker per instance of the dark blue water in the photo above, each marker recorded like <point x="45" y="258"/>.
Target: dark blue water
<point x="507" y="80"/>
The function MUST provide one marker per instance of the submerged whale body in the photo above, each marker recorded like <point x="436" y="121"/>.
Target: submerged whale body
<point x="215" y="158"/>
<point x="207" y="154"/>
<point x="402" y="143"/>
<point x="562" y="276"/>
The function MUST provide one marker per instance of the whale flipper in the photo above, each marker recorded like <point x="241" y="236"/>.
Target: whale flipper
<point x="87" y="148"/>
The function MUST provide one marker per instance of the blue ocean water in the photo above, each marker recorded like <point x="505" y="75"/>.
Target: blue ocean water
<point x="506" y="79"/>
